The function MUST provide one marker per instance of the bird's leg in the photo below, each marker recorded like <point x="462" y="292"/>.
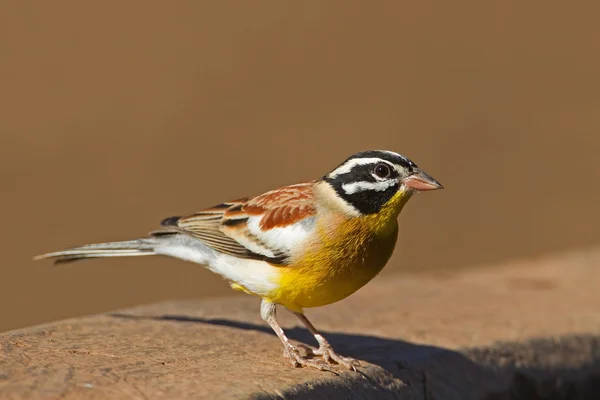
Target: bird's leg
<point x="268" y="314"/>
<point x="325" y="350"/>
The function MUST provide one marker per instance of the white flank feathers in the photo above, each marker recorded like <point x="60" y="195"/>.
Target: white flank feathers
<point x="257" y="276"/>
<point x="285" y="238"/>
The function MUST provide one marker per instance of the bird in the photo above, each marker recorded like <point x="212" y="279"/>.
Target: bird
<point x="300" y="246"/>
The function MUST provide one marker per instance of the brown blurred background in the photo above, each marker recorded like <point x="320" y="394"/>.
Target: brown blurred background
<point x="117" y="114"/>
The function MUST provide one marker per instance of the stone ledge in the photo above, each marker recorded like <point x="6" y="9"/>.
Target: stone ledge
<point x="469" y="335"/>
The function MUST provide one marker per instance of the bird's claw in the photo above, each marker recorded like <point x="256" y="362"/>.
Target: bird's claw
<point x="299" y="361"/>
<point x="331" y="357"/>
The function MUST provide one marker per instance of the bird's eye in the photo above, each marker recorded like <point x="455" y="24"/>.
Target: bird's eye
<point x="382" y="171"/>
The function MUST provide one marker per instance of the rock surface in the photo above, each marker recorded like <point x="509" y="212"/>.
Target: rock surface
<point x="526" y="330"/>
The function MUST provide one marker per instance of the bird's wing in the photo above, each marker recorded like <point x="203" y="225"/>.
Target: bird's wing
<point x="267" y="227"/>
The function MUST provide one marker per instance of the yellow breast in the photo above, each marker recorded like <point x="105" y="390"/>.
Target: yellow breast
<point x="345" y="255"/>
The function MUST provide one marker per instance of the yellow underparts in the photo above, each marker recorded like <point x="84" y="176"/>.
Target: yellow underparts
<point x="239" y="288"/>
<point x="347" y="254"/>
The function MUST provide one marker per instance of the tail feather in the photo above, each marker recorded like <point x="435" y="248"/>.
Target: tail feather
<point x="130" y="248"/>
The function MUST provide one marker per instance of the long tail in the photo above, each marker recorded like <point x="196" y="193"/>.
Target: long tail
<point x="129" y="248"/>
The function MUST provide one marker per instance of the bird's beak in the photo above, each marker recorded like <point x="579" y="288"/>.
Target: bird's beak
<point x="421" y="181"/>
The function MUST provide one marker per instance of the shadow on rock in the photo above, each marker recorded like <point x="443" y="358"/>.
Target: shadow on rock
<point x="501" y="372"/>
<point x="391" y="354"/>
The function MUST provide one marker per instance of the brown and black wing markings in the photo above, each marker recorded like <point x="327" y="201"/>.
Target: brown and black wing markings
<point x="225" y="228"/>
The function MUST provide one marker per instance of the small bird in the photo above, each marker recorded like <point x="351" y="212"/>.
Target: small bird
<point x="299" y="246"/>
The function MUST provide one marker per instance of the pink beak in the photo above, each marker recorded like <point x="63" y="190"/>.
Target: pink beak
<point x="421" y="181"/>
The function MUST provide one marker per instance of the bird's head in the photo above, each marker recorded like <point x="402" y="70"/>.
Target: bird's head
<point x="369" y="180"/>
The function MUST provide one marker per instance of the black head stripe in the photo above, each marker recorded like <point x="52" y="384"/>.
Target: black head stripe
<point x="364" y="172"/>
<point x="356" y="183"/>
<point x="394" y="158"/>
<point x="367" y="201"/>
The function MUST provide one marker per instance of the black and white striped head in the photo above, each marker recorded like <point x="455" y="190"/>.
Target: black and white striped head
<point x="369" y="179"/>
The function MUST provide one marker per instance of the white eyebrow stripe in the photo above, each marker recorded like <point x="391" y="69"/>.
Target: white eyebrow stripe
<point x="393" y="154"/>
<point x="356" y="187"/>
<point x="405" y="159"/>
<point x="349" y="165"/>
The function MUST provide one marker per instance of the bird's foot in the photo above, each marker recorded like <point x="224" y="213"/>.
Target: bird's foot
<point x="331" y="357"/>
<point x="302" y="361"/>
